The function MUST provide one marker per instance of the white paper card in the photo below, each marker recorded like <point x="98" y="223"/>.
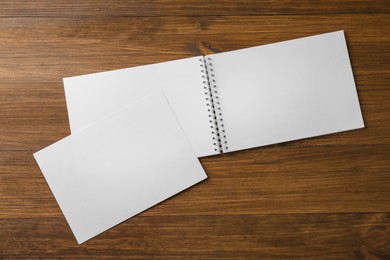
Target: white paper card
<point x="119" y="166"/>
<point x="287" y="91"/>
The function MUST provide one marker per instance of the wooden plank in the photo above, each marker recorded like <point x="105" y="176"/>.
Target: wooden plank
<point x="301" y="236"/>
<point x="73" y="8"/>
<point x="46" y="50"/>
<point x="270" y="180"/>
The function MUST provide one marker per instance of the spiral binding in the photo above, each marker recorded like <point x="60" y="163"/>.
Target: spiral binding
<point x="213" y="105"/>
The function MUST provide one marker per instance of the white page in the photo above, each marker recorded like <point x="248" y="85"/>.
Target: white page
<point x="90" y="97"/>
<point x="119" y="166"/>
<point x="286" y="91"/>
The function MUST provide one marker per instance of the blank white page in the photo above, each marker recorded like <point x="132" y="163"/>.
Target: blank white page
<point x="119" y="166"/>
<point x="286" y="91"/>
<point x="90" y="97"/>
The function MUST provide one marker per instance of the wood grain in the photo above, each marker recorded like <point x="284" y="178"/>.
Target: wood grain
<point x="330" y="236"/>
<point x="93" y="8"/>
<point x="325" y="197"/>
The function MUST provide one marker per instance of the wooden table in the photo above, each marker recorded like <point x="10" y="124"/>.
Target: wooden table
<point x="325" y="197"/>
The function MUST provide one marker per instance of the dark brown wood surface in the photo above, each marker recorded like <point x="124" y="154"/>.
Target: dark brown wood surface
<point x="319" y="198"/>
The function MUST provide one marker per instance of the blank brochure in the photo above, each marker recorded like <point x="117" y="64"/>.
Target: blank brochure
<point x="239" y="99"/>
<point x="119" y="166"/>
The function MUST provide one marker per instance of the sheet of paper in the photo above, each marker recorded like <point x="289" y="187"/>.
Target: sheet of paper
<point x="90" y="97"/>
<point x="286" y="91"/>
<point x="119" y="166"/>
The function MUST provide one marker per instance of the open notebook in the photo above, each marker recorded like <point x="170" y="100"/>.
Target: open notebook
<point x="119" y="166"/>
<point x="239" y="99"/>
